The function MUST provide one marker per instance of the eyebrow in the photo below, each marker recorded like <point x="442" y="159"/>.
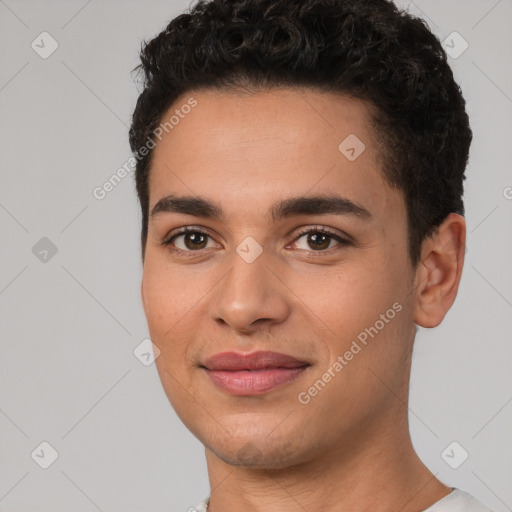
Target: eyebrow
<point x="290" y="207"/>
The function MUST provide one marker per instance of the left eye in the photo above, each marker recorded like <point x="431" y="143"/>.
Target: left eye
<point x="319" y="240"/>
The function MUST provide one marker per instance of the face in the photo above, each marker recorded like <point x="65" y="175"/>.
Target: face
<point x="326" y="282"/>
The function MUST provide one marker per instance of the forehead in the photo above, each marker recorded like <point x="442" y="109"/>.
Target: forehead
<point x="248" y="150"/>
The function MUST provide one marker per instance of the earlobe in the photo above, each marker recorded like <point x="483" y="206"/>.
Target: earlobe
<point x="439" y="271"/>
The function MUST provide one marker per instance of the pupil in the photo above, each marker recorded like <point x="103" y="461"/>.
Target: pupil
<point x="315" y="240"/>
<point x="195" y="238"/>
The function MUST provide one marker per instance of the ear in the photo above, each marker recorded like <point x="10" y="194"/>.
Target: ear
<point x="439" y="271"/>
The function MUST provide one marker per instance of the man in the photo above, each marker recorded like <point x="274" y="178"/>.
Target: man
<point x="300" y="170"/>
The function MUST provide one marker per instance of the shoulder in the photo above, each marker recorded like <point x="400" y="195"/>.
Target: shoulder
<point x="200" y="507"/>
<point x="458" y="501"/>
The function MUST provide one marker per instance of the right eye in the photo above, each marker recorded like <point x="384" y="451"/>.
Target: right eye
<point x="190" y="240"/>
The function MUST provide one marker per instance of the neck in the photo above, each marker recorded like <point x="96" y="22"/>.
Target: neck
<point x="376" y="469"/>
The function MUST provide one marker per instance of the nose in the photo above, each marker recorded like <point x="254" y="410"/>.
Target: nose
<point x="251" y="296"/>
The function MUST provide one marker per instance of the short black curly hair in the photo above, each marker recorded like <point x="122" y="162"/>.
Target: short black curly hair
<point x="368" y="49"/>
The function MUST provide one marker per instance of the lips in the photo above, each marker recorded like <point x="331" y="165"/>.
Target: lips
<point x="233" y="361"/>
<point x="252" y="374"/>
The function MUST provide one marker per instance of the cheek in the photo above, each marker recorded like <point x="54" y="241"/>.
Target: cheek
<point x="365" y="304"/>
<point x="168" y="296"/>
<point x="372" y="348"/>
<point x="350" y="296"/>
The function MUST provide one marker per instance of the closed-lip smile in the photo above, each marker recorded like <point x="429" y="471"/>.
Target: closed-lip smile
<point x="252" y="374"/>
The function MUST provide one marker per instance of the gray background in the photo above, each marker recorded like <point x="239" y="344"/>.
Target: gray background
<point x="71" y="321"/>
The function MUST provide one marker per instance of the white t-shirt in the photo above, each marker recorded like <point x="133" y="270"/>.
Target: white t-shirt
<point x="456" y="501"/>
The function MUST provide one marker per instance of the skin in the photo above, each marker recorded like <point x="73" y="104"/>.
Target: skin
<point x="349" y="448"/>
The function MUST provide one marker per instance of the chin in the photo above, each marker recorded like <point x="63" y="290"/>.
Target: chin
<point x="252" y="452"/>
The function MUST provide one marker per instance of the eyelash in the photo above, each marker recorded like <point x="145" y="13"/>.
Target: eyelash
<point x="185" y="230"/>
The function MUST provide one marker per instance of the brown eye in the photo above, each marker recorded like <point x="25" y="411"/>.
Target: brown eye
<point x="194" y="240"/>
<point x="188" y="240"/>
<point x="319" y="240"/>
